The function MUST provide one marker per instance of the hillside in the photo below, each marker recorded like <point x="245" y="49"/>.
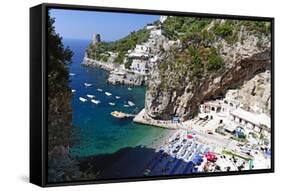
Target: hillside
<point x="100" y="50"/>
<point x="188" y="60"/>
<point x="214" y="56"/>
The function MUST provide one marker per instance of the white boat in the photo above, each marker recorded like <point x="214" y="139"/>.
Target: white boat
<point x="125" y="105"/>
<point x="95" y="101"/>
<point x="131" y="103"/>
<point x="90" y="96"/>
<point x="117" y="97"/>
<point x="107" y="93"/>
<point x="100" y="90"/>
<point x="73" y="91"/>
<point x="130" y="89"/>
<point x="111" y="103"/>
<point x="87" y="84"/>
<point x="72" y="74"/>
<point x="82" y="99"/>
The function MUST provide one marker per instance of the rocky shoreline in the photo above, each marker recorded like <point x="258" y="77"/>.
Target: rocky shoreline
<point x="142" y="118"/>
<point x="117" y="73"/>
<point x="108" y="66"/>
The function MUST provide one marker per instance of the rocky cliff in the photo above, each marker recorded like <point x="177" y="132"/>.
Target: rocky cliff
<point x="224" y="55"/>
<point x="255" y="94"/>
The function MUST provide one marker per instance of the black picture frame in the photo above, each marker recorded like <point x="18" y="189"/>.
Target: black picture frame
<point x="38" y="92"/>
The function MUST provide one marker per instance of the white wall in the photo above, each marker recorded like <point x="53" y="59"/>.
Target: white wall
<point x="14" y="80"/>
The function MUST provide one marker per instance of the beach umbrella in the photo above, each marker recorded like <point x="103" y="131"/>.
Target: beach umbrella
<point x="210" y="156"/>
<point x="189" y="136"/>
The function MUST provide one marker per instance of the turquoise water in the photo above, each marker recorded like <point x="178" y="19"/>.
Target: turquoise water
<point x="95" y="130"/>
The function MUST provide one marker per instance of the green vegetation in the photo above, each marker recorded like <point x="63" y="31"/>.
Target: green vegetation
<point x="121" y="47"/>
<point x="59" y="59"/>
<point x="196" y="65"/>
<point x="184" y="27"/>
<point x="226" y="30"/>
<point x="215" y="61"/>
<point x="255" y="27"/>
<point x="176" y="26"/>
<point x="128" y="63"/>
<point x="197" y="58"/>
<point x="229" y="29"/>
<point x="59" y="94"/>
<point x="223" y="30"/>
<point x="195" y="62"/>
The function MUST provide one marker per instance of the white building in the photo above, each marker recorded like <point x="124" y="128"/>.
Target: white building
<point x="251" y="120"/>
<point x="229" y="111"/>
<point x="150" y="27"/>
<point x="218" y="106"/>
<point x="163" y="19"/>
<point x="140" y="51"/>
<point x="156" y="32"/>
<point x="139" y="66"/>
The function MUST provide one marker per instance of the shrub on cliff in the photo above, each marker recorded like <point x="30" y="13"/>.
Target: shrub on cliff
<point x="215" y="61"/>
<point x="176" y="26"/>
<point x="223" y="30"/>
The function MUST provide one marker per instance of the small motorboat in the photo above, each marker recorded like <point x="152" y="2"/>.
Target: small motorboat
<point x="117" y="97"/>
<point x="111" y="103"/>
<point x="108" y="94"/>
<point x="87" y="84"/>
<point x="90" y="96"/>
<point x="121" y="115"/>
<point x="131" y="103"/>
<point x="100" y="90"/>
<point x="82" y="99"/>
<point x="125" y="105"/>
<point x="118" y="114"/>
<point x="72" y="74"/>
<point x="95" y="101"/>
<point x="129" y="88"/>
<point x="73" y="90"/>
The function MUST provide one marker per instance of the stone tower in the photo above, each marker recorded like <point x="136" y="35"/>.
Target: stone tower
<point x="96" y="38"/>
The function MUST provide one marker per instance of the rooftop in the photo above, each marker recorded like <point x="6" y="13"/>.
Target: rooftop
<point x="254" y="118"/>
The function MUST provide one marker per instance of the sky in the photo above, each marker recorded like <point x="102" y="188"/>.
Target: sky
<point x="78" y="24"/>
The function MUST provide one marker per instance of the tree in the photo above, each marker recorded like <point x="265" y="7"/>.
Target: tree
<point x="59" y="59"/>
<point x="59" y="94"/>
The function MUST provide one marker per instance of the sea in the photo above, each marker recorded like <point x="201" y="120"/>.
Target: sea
<point x="95" y="131"/>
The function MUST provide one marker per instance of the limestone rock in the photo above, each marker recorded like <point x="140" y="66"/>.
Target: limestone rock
<point x="246" y="65"/>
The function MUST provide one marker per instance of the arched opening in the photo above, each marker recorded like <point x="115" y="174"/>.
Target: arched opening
<point x="218" y="109"/>
<point x="259" y="71"/>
